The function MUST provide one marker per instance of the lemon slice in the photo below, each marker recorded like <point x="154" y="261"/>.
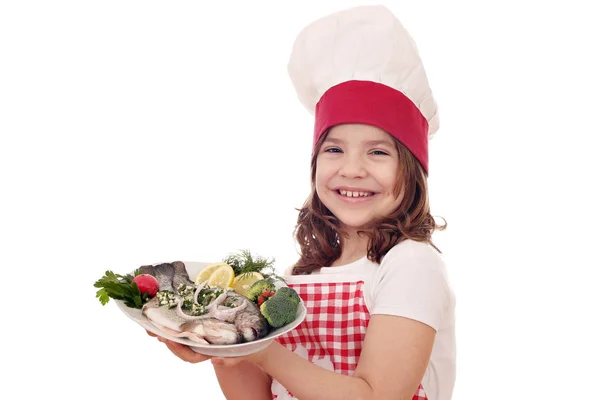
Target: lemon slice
<point x="242" y="283"/>
<point x="207" y="271"/>
<point x="222" y="277"/>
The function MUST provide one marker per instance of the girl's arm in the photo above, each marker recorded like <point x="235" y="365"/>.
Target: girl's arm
<point x="244" y="381"/>
<point x="389" y="367"/>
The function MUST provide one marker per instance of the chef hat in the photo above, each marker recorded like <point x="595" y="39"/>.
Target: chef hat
<point x="361" y="66"/>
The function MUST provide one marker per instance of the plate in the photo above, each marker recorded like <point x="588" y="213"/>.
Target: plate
<point x="230" y="350"/>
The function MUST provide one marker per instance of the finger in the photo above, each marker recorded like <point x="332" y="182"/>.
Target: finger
<point x="150" y="334"/>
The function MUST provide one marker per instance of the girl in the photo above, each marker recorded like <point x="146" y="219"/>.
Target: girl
<point x="380" y="321"/>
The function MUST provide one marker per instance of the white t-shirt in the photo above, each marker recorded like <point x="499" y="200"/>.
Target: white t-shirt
<point x="411" y="282"/>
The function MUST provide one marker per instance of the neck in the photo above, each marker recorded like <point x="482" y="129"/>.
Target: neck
<point x="354" y="247"/>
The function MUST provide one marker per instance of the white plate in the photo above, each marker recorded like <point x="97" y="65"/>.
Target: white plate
<point x="231" y="350"/>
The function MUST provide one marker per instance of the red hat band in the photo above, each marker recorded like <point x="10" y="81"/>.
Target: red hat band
<point x="372" y="103"/>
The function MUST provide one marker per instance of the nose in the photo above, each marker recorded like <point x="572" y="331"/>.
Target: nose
<point x="352" y="167"/>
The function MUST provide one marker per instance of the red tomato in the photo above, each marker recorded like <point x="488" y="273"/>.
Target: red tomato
<point x="147" y="284"/>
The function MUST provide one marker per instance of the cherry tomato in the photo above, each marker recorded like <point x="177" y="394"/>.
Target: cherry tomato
<point x="147" y="284"/>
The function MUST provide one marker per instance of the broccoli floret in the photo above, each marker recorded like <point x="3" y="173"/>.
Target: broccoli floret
<point x="258" y="288"/>
<point x="291" y="293"/>
<point x="280" y="309"/>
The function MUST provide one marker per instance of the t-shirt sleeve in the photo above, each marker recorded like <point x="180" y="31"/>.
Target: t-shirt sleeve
<point x="412" y="282"/>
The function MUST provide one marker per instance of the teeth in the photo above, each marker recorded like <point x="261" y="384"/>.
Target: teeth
<point x="348" y="193"/>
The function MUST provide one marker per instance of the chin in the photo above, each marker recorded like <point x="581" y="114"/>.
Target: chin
<point x="353" y="223"/>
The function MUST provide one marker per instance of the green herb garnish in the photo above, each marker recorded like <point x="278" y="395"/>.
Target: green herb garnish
<point x="120" y="287"/>
<point x="243" y="263"/>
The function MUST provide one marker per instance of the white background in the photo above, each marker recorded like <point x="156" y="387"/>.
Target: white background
<point x="135" y="132"/>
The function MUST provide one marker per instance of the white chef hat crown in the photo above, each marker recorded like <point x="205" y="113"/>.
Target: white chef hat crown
<point x="360" y="65"/>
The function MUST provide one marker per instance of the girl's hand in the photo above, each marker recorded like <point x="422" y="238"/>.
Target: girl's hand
<point x="182" y="351"/>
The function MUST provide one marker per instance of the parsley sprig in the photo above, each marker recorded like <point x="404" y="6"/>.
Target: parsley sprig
<point x="120" y="287"/>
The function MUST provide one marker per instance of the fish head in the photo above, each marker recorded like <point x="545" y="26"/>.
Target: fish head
<point x="252" y="326"/>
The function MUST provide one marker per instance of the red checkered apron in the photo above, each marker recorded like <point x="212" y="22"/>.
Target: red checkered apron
<point x="331" y="336"/>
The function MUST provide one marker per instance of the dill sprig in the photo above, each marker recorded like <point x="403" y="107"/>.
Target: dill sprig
<point x="244" y="263"/>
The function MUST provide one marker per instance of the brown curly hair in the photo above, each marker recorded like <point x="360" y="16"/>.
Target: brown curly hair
<point x="317" y="229"/>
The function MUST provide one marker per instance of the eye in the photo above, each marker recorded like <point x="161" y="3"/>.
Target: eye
<point x="379" y="153"/>
<point x="332" y="150"/>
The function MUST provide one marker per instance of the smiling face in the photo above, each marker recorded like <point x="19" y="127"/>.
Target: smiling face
<point x="357" y="174"/>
